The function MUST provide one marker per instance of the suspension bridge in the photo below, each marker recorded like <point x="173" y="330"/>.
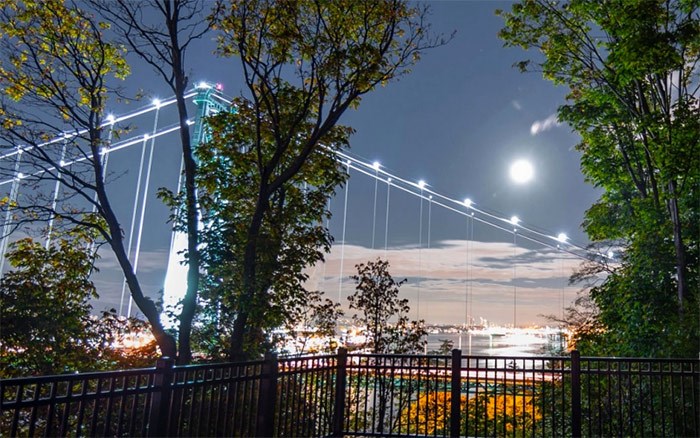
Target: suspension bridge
<point x="464" y="263"/>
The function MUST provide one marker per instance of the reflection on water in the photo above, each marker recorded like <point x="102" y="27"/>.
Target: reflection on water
<point x="500" y="344"/>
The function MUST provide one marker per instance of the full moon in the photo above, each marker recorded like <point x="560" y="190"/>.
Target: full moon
<point x="521" y="171"/>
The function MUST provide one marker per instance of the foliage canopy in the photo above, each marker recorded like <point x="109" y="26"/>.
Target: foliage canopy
<point x="632" y="72"/>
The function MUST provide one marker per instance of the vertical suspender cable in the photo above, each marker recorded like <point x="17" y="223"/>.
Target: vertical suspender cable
<point x="328" y="227"/>
<point x="374" y="215"/>
<point x="134" y="209"/>
<point x="515" y="288"/>
<point x="56" y="189"/>
<point x="179" y="187"/>
<point x="466" y="283"/>
<point x="386" y="221"/>
<point x="563" y="284"/>
<point x="430" y="214"/>
<point x="14" y="189"/>
<point x="470" y="268"/>
<point x="471" y="288"/>
<point x="342" y="247"/>
<point x="420" y="247"/>
<point x="104" y="157"/>
<point x="144" y="202"/>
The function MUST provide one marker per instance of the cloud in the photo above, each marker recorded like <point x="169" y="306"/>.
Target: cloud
<point x="444" y="280"/>
<point x="516" y="105"/>
<point x="540" y="126"/>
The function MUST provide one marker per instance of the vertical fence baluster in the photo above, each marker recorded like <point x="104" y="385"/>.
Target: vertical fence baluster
<point x="15" y="415"/>
<point x="52" y="409"/>
<point x="455" y="392"/>
<point x="340" y="387"/>
<point x="32" y="418"/>
<point x="267" y="397"/>
<point x="160" y="400"/>
<point x="575" y="393"/>
<point x="63" y="430"/>
<point x="122" y="405"/>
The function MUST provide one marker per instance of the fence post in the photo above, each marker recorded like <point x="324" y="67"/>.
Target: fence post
<point x="267" y="397"/>
<point x="575" y="393"/>
<point x="340" y="386"/>
<point x="160" y="401"/>
<point x="456" y="393"/>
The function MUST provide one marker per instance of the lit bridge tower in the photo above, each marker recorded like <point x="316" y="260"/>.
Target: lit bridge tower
<point x="209" y="101"/>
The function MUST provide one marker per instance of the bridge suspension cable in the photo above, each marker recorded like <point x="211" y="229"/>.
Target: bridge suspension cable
<point x="463" y="208"/>
<point x="472" y="212"/>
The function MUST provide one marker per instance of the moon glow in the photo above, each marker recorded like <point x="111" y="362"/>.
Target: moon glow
<point x="521" y="171"/>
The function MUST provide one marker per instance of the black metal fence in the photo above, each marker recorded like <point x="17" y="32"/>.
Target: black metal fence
<point x="365" y="395"/>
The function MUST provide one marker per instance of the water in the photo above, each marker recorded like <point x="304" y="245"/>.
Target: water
<point x="483" y="344"/>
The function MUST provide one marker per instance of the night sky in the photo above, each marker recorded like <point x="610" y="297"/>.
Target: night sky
<point x="457" y="121"/>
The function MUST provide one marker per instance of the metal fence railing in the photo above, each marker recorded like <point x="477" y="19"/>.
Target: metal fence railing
<point x="108" y="403"/>
<point x="365" y="395"/>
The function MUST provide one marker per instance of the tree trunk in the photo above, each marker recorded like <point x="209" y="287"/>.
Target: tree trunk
<point x="190" y="300"/>
<point x="165" y="342"/>
<point x="236" y="352"/>
<point x="681" y="261"/>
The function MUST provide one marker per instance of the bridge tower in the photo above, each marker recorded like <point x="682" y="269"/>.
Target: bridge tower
<point x="209" y="100"/>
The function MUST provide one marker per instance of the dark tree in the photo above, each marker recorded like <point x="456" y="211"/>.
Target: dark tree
<point x="383" y="314"/>
<point x="160" y="32"/>
<point x="304" y="64"/>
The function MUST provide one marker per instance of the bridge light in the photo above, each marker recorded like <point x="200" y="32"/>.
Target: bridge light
<point x="202" y="86"/>
<point x="468" y="203"/>
<point x="20" y="175"/>
<point x="562" y="237"/>
<point x="146" y="137"/>
<point x="111" y="119"/>
<point x="376" y="166"/>
<point x="388" y="180"/>
<point x="157" y="103"/>
<point x="515" y="220"/>
<point x="219" y="87"/>
<point x="62" y="163"/>
<point x="421" y="184"/>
